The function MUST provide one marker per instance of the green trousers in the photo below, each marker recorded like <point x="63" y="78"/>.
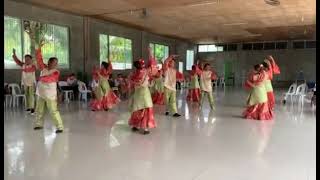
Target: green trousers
<point x="52" y="106"/>
<point x="210" y="98"/>
<point x="29" y="92"/>
<point x="170" y="100"/>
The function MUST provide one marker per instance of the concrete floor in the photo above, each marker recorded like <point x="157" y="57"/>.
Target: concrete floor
<point x="200" y="145"/>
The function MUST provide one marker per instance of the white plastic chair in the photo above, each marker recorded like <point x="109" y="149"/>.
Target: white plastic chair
<point x="7" y="98"/>
<point x="66" y="93"/>
<point x="83" y="91"/>
<point x="16" y="94"/>
<point x="291" y="92"/>
<point x="301" y="93"/>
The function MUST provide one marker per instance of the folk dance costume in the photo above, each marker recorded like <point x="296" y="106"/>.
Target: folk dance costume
<point x="206" y="77"/>
<point x="141" y="106"/>
<point x="47" y="94"/>
<point x="158" y="94"/>
<point x="105" y="98"/>
<point x="271" y="68"/>
<point x="194" y="93"/>
<point x="170" y="78"/>
<point x="257" y="102"/>
<point x="28" y="80"/>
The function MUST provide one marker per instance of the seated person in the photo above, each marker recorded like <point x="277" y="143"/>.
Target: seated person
<point x="117" y="83"/>
<point x="72" y="84"/>
<point x="111" y="81"/>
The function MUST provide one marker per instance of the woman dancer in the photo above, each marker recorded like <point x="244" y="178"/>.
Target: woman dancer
<point x="158" y="94"/>
<point x="257" y="102"/>
<point x="270" y="67"/>
<point x="142" y="116"/>
<point x="105" y="98"/>
<point x="194" y="90"/>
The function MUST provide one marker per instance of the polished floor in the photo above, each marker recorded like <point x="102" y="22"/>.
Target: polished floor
<point x="200" y="145"/>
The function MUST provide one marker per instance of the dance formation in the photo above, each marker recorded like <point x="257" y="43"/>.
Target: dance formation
<point x="137" y="87"/>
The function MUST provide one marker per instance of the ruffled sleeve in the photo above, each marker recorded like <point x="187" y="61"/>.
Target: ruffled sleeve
<point x="179" y="76"/>
<point x="213" y="75"/>
<point x="137" y="77"/>
<point x="53" y="77"/>
<point x="39" y="59"/>
<point x="275" y="67"/>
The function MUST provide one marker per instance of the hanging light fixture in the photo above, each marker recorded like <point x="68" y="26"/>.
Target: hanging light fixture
<point x="272" y="2"/>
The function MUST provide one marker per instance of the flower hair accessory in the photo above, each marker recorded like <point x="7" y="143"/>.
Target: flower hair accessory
<point x="141" y="62"/>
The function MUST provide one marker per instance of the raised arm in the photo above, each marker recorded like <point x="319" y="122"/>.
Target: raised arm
<point x="165" y="65"/>
<point x="275" y="68"/>
<point x="16" y="59"/>
<point x="198" y="69"/>
<point x="109" y="70"/>
<point x="39" y="59"/>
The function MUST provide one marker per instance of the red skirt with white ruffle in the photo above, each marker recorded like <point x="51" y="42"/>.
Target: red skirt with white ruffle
<point x="271" y="99"/>
<point x="107" y="102"/>
<point x="158" y="98"/>
<point x="258" y="112"/>
<point x="143" y="119"/>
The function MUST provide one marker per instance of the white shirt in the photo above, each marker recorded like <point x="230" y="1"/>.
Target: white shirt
<point x="28" y="78"/>
<point x="205" y="81"/>
<point x="47" y="90"/>
<point x="170" y="79"/>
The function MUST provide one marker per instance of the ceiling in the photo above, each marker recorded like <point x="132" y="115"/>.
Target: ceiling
<point x="203" y="21"/>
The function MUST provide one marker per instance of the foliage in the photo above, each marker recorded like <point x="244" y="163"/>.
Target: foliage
<point x="160" y="52"/>
<point x="120" y="50"/>
<point x="12" y="39"/>
<point x="18" y="36"/>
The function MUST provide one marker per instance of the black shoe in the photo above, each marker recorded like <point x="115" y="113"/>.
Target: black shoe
<point x="32" y="111"/>
<point x="28" y="110"/>
<point x="167" y="113"/>
<point x="145" y="132"/>
<point x="93" y="110"/>
<point x="176" y="115"/>
<point x="106" y="109"/>
<point x="134" y="129"/>
<point x="59" y="131"/>
<point x="37" y="128"/>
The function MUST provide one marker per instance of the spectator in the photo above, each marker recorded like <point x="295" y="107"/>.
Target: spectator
<point x="73" y="84"/>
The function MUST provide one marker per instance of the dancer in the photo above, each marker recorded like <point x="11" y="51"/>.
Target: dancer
<point x="270" y="67"/>
<point x="105" y="97"/>
<point x="206" y="77"/>
<point x="257" y="102"/>
<point x="158" y="94"/>
<point x="170" y="78"/>
<point x="28" y="79"/>
<point x="142" y="116"/>
<point x="194" y="89"/>
<point x="47" y="92"/>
